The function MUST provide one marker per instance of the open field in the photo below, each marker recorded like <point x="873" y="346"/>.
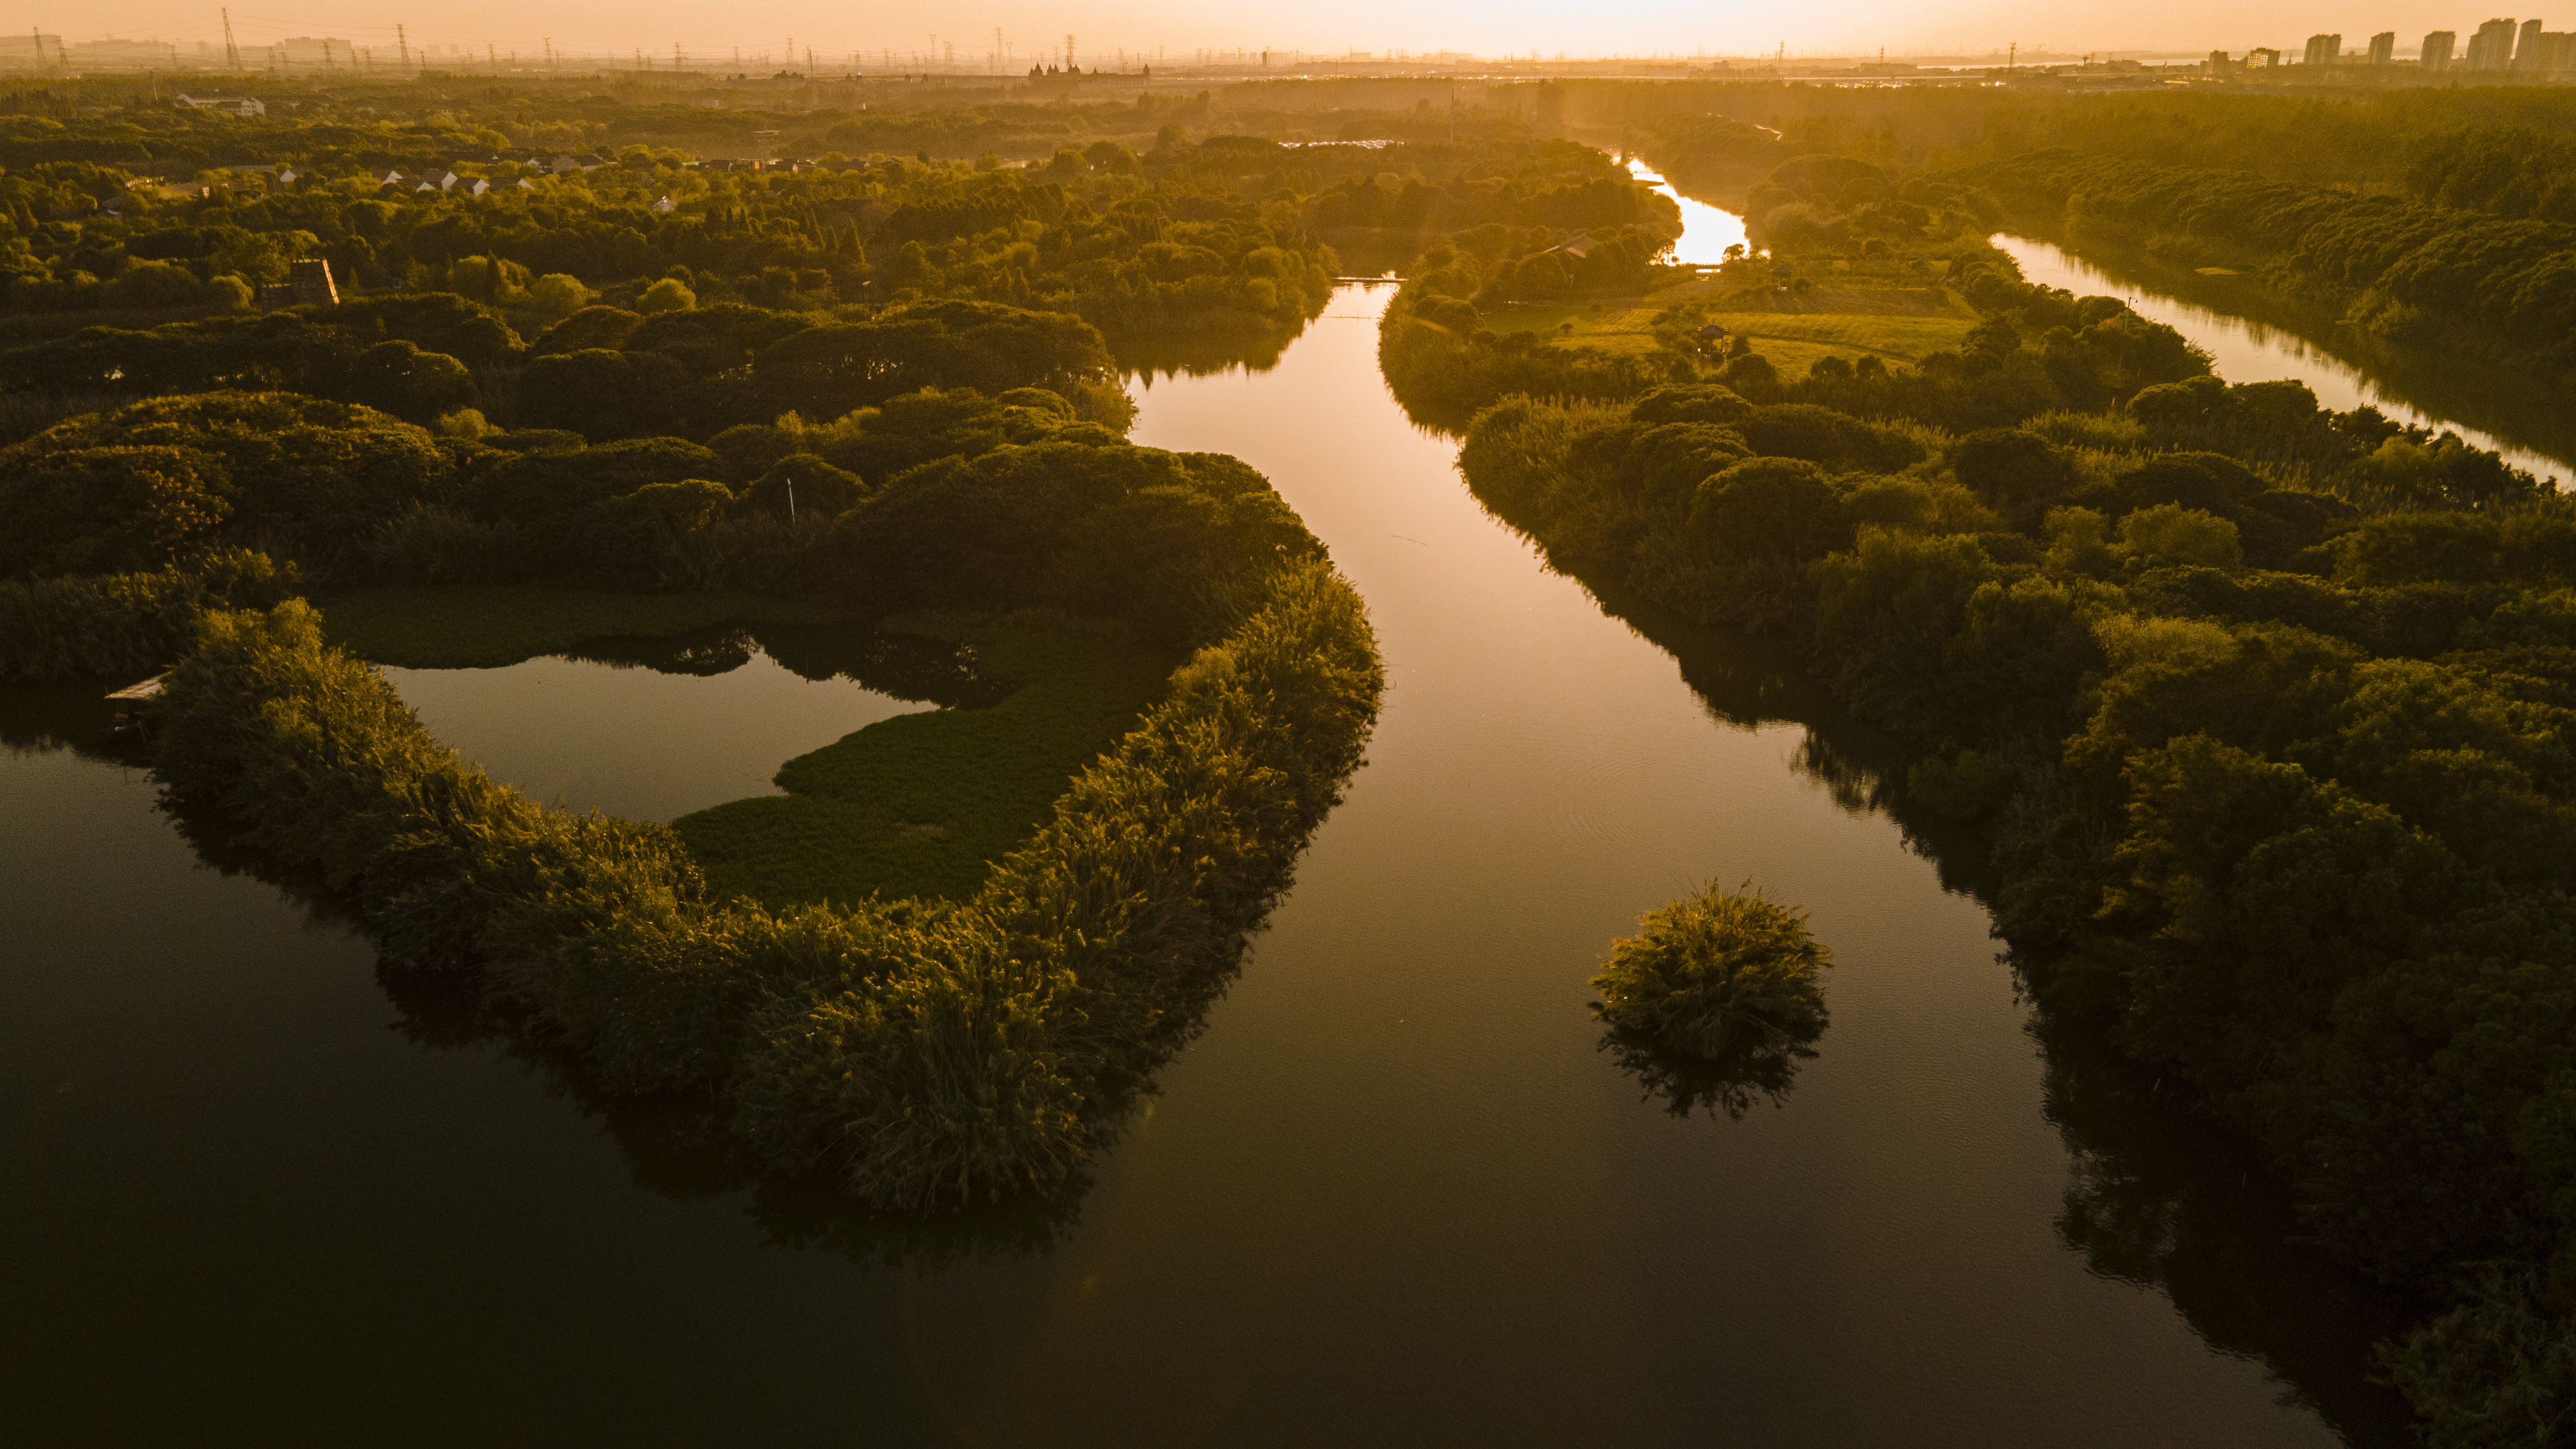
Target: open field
<point x="922" y="804"/>
<point x="1899" y="323"/>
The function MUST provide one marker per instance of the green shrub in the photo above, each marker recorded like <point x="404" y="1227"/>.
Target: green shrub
<point x="123" y="625"/>
<point x="2169" y="533"/>
<point x="1716" y="974"/>
<point x="2498" y="1370"/>
<point x="587" y="329"/>
<point x="666" y="295"/>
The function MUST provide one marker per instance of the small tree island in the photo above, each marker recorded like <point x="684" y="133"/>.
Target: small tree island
<point x="1717" y="975"/>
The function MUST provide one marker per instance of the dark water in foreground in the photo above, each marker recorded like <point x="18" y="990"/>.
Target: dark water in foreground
<point x="1394" y="1195"/>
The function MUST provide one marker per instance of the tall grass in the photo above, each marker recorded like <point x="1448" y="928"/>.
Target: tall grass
<point x="122" y="625"/>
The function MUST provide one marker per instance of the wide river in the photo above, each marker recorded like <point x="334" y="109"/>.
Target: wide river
<point x="1394" y="1194"/>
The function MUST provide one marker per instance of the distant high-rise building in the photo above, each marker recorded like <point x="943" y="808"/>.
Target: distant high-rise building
<point x="2436" y="56"/>
<point x="2383" y="47"/>
<point x="2526" y="56"/>
<point x="2492" y="47"/>
<point x="2219" y="64"/>
<point x="2322" y="49"/>
<point x="2262" y="57"/>
<point x="2551" y="52"/>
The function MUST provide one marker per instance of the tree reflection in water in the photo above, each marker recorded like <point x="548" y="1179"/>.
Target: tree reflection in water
<point x="2158" y="1195"/>
<point x="675" y="1144"/>
<point x="908" y="666"/>
<point x="1732" y="1084"/>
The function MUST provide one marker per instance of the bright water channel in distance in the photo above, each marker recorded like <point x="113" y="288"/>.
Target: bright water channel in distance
<point x="1393" y="1195"/>
<point x="2240" y="348"/>
<point x="2243" y="350"/>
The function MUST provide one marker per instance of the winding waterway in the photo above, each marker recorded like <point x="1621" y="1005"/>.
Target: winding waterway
<point x="2243" y="349"/>
<point x="1394" y="1194"/>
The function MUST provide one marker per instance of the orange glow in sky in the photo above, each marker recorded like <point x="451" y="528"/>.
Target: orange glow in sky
<point x="913" y="28"/>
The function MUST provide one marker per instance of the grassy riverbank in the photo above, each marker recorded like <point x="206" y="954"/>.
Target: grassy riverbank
<point x="1893" y="324"/>
<point x="923" y="804"/>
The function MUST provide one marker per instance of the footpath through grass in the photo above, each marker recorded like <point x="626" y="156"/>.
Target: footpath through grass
<point x="922" y="804"/>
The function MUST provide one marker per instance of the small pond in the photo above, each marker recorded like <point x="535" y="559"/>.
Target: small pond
<point x="652" y="729"/>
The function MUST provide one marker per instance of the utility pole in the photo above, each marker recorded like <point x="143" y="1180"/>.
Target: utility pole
<point x="676" y="62"/>
<point x="2011" y="56"/>
<point x="1068" y="54"/>
<point x="232" y="52"/>
<point x="402" y="45"/>
<point x="1001" y="53"/>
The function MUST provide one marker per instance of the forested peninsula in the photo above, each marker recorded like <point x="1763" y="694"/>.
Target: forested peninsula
<point x="777" y="428"/>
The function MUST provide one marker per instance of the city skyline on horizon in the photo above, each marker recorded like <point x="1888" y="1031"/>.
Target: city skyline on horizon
<point x="462" y="31"/>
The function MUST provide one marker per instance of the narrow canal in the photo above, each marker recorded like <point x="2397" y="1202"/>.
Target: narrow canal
<point x="1395" y="1194"/>
<point x="2244" y="349"/>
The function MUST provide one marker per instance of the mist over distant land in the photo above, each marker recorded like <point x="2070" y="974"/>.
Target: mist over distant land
<point x="921" y="35"/>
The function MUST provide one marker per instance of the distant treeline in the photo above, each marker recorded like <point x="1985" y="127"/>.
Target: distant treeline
<point x="603" y="373"/>
<point x="1087" y="234"/>
<point x="1224" y="238"/>
<point x="2498" y="149"/>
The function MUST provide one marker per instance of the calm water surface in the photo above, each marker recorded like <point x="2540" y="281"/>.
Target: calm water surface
<point x="1393" y="1195"/>
<point x="634" y="741"/>
<point x="1706" y="231"/>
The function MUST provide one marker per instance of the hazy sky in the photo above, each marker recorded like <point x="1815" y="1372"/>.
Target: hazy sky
<point x="1484" y="26"/>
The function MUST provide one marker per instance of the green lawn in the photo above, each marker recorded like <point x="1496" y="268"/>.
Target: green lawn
<point x="922" y="804"/>
<point x="485" y="626"/>
<point x="1898" y="324"/>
